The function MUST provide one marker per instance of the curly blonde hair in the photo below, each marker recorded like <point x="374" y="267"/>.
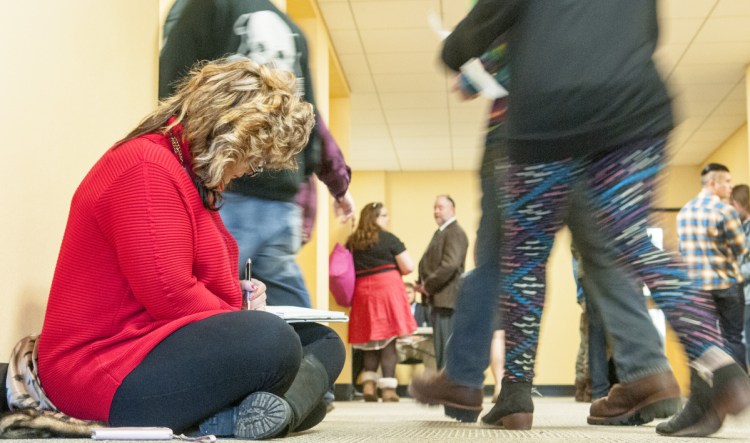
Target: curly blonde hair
<point x="234" y="111"/>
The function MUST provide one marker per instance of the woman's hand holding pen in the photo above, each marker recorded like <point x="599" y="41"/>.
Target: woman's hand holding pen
<point x="254" y="292"/>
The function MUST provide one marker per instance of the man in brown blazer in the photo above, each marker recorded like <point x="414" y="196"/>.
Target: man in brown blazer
<point x="440" y="271"/>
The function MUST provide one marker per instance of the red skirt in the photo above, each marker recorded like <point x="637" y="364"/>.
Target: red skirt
<point x="380" y="309"/>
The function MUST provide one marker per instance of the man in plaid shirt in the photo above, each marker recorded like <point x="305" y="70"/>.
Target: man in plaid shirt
<point x="711" y="242"/>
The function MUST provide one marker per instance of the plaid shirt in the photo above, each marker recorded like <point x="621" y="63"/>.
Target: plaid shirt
<point x="711" y="241"/>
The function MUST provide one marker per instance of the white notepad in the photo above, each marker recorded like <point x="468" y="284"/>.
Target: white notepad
<point x="296" y="314"/>
<point x="134" y="433"/>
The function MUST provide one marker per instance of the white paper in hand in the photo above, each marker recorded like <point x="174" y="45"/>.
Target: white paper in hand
<point x="437" y="26"/>
<point x="484" y="83"/>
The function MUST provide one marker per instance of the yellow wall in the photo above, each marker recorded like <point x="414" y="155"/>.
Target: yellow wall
<point x="76" y="76"/>
<point x="734" y="154"/>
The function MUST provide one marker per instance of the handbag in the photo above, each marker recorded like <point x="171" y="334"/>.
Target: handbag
<point x="341" y="275"/>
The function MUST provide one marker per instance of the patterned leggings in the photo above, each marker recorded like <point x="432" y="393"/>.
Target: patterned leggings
<point x="620" y="184"/>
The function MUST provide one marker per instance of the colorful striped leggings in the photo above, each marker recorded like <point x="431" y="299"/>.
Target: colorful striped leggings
<point x="619" y="186"/>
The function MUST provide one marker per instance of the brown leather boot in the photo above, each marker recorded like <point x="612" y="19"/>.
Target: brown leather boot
<point x="460" y="402"/>
<point x="637" y="402"/>
<point x="369" y="389"/>
<point x="388" y="387"/>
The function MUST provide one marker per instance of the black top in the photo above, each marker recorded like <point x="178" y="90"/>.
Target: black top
<point x="199" y="30"/>
<point x="379" y="257"/>
<point x="582" y="76"/>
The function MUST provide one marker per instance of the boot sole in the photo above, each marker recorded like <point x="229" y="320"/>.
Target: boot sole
<point x="707" y="425"/>
<point x="461" y="414"/>
<point x="640" y="414"/>
<point x="520" y="421"/>
<point x="262" y="415"/>
<point x="733" y="401"/>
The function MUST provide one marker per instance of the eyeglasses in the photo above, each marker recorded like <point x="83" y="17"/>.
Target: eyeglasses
<point x="253" y="172"/>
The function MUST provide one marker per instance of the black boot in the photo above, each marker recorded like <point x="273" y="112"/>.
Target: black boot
<point x="514" y="409"/>
<point x="306" y="393"/>
<point x="709" y="404"/>
<point x="264" y="415"/>
<point x="3" y="398"/>
<point x="314" y="417"/>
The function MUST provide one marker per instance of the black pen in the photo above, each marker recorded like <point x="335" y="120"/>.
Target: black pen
<point x="248" y="269"/>
<point x="248" y="274"/>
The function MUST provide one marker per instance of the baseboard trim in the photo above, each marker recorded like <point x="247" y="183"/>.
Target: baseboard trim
<point x="346" y="392"/>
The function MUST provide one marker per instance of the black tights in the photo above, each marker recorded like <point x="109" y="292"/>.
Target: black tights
<point x="211" y="364"/>
<point x="386" y="358"/>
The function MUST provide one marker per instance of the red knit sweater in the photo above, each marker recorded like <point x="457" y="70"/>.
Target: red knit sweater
<point x="140" y="258"/>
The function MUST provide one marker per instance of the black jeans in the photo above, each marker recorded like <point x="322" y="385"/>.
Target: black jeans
<point x="730" y="304"/>
<point x="214" y="363"/>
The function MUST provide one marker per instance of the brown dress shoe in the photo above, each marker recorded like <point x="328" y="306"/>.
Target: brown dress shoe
<point x="460" y="402"/>
<point x="637" y="402"/>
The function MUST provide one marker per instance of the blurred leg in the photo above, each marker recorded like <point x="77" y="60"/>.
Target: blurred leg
<point x="497" y="360"/>
<point x="268" y="232"/>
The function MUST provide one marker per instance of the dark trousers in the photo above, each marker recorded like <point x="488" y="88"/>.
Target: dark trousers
<point x="214" y="363"/>
<point x="730" y="304"/>
<point x="442" y="328"/>
<point x="3" y="397"/>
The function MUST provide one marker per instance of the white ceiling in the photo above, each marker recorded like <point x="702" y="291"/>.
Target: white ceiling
<point x="404" y="117"/>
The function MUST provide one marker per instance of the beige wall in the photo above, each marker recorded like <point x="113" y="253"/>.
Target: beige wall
<point x="76" y="76"/>
<point x="734" y="154"/>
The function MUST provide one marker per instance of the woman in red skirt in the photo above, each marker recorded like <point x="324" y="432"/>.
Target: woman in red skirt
<point x="380" y="308"/>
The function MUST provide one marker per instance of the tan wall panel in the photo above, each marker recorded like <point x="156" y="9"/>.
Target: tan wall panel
<point x="77" y="75"/>
<point x="734" y="154"/>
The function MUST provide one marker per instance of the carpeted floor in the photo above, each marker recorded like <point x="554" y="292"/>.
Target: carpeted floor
<point x="557" y="419"/>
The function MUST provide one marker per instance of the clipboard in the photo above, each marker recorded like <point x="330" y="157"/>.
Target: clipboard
<point x="296" y="314"/>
